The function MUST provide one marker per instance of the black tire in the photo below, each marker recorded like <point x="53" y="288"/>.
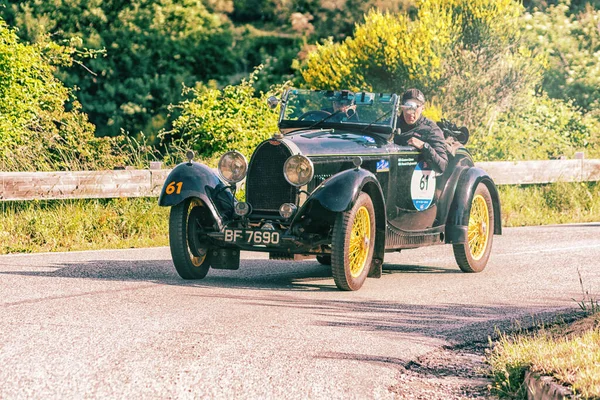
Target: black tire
<point x="189" y="256"/>
<point x="350" y="269"/>
<point x="473" y="255"/>
<point x="324" y="260"/>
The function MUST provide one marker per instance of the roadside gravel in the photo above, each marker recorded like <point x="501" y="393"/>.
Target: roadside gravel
<point x="449" y="373"/>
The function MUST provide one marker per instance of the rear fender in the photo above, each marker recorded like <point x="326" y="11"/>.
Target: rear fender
<point x="460" y="210"/>
<point x="197" y="180"/>
<point x="339" y="193"/>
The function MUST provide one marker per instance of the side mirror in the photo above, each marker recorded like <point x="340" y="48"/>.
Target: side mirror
<point x="272" y="102"/>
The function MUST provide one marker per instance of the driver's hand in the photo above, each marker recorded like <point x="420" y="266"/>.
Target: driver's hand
<point x="416" y="143"/>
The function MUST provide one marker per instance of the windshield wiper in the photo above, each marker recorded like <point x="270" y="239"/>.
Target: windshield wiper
<point x="317" y="123"/>
<point x="377" y="120"/>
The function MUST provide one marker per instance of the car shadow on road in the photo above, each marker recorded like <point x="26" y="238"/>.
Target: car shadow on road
<point x="417" y="269"/>
<point x="306" y="275"/>
<point x="284" y="285"/>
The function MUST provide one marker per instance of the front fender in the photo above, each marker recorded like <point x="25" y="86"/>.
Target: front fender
<point x="339" y="192"/>
<point x="458" y="218"/>
<point x="193" y="179"/>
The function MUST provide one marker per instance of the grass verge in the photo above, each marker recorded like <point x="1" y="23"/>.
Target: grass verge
<point x="570" y="354"/>
<point x="556" y="203"/>
<point x="68" y="225"/>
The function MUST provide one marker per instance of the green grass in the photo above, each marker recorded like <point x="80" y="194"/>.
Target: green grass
<point x="570" y="354"/>
<point x="555" y="203"/>
<point x="67" y="225"/>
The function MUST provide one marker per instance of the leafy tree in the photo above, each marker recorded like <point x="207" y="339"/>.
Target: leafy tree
<point x="278" y="34"/>
<point x="36" y="131"/>
<point x="325" y="17"/>
<point x="152" y="47"/>
<point x="469" y="56"/>
<point x="571" y="43"/>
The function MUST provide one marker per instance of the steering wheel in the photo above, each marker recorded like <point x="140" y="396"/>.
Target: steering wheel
<point x="314" y="115"/>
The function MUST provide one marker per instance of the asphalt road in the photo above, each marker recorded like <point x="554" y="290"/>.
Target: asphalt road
<point x="121" y="324"/>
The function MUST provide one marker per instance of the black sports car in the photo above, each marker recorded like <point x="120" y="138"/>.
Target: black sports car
<point x="331" y="184"/>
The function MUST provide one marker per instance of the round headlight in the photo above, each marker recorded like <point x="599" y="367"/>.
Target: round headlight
<point x="287" y="210"/>
<point x="298" y="170"/>
<point x="233" y="167"/>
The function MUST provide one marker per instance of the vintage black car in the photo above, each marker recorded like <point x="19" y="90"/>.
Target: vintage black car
<point x="331" y="184"/>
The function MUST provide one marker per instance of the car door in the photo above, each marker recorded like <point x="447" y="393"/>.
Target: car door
<point x="413" y="190"/>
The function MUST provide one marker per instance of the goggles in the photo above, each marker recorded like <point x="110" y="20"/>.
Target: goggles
<point x="410" y="106"/>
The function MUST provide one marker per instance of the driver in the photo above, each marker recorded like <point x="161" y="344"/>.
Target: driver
<point x="421" y="132"/>
<point x="343" y="107"/>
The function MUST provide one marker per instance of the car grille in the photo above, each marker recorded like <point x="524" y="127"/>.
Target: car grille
<point x="266" y="187"/>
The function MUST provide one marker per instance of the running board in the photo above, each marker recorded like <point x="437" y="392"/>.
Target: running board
<point x="397" y="239"/>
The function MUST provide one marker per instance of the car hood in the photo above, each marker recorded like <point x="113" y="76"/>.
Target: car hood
<point x="330" y="142"/>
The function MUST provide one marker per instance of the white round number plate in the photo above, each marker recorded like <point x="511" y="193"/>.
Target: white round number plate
<point x="422" y="186"/>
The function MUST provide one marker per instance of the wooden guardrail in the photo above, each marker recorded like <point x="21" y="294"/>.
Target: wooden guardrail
<point x="148" y="183"/>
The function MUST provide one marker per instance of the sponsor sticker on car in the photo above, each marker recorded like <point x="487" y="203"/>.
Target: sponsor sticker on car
<point x="422" y="186"/>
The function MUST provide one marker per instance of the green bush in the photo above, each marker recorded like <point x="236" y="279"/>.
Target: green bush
<point x="152" y="47"/>
<point x="469" y="57"/>
<point x="388" y="52"/>
<point x="540" y="128"/>
<point x="572" y="44"/>
<point x="215" y="121"/>
<point x="41" y="127"/>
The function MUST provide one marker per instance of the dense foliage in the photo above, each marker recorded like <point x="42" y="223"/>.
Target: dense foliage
<point x="233" y="118"/>
<point x="524" y="82"/>
<point x="37" y="132"/>
<point x="479" y="67"/>
<point x="151" y="49"/>
<point x="572" y="45"/>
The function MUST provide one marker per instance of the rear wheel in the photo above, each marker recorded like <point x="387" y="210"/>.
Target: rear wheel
<point x="189" y="255"/>
<point x="473" y="255"/>
<point x="352" y="244"/>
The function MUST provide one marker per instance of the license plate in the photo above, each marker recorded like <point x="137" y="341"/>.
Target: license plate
<point x="252" y="237"/>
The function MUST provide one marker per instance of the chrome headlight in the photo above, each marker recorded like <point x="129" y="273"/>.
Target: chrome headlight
<point x="233" y="167"/>
<point x="287" y="210"/>
<point x="298" y="170"/>
<point x="242" y="208"/>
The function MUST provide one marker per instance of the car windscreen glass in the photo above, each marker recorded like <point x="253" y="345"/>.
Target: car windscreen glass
<point x="305" y="107"/>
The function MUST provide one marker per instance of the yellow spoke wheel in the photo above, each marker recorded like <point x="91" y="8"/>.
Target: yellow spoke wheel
<point x="472" y="256"/>
<point x="352" y="244"/>
<point x="360" y="238"/>
<point x="478" y="232"/>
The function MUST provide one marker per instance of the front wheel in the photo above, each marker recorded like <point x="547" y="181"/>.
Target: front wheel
<point x="352" y="244"/>
<point x="189" y="256"/>
<point x="473" y="255"/>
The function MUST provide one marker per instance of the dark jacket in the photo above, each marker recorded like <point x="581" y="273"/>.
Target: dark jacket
<point x="427" y="131"/>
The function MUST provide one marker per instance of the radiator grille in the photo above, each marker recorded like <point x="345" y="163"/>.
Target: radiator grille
<point x="266" y="188"/>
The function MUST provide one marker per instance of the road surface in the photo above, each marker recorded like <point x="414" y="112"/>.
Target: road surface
<point x="122" y="324"/>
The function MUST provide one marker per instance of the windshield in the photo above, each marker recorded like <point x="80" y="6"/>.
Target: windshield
<point x="317" y="108"/>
